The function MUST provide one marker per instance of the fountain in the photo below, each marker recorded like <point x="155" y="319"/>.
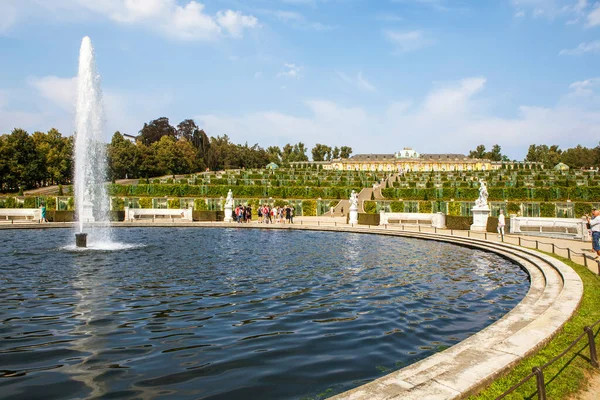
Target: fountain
<point x="91" y="199"/>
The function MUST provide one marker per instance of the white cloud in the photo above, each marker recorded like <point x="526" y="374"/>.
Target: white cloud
<point x="591" y="47"/>
<point x="575" y="10"/>
<point x="8" y="16"/>
<point x="186" y="22"/>
<point x="53" y="100"/>
<point x="448" y="120"/>
<point x="405" y="42"/>
<point x="291" y="71"/>
<point x="593" y="18"/>
<point x="60" y="91"/>
<point x="584" y="88"/>
<point x="295" y="20"/>
<point x="360" y="82"/>
<point x="235" y="23"/>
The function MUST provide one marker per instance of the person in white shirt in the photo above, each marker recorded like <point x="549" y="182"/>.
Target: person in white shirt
<point x="595" y="228"/>
<point x="501" y="223"/>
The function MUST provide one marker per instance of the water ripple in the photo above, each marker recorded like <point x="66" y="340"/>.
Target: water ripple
<point x="234" y="314"/>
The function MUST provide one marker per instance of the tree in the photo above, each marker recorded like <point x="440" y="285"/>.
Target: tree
<point x="335" y="153"/>
<point x="548" y="156"/>
<point x="321" y="152"/>
<point x="274" y="153"/>
<point x="123" y="158"/>
<point x="579" y="157"/>
<point x="155" y="130"/>
<point x="345" y="151"/>
<point x="479" y="152"/>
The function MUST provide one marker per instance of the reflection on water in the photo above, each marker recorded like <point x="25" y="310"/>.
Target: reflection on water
<point x="228" y="313"/>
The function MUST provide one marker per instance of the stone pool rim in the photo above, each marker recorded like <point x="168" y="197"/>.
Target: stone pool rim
<point x="553" y="297"/>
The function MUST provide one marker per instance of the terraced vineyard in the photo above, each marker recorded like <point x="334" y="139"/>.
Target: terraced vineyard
<point x="546" y="193"/>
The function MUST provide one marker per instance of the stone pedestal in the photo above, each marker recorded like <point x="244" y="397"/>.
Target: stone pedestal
<point x="480" y="218"/>
<point x="353" y="213"/>
<point x="228" y="214"/>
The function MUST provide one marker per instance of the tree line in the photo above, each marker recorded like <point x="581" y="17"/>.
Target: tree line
<point x="43" y="159"/>
<point x="575" y="157"/>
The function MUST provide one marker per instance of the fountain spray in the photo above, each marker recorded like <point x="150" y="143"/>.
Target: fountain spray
<point x="91" y="199"/>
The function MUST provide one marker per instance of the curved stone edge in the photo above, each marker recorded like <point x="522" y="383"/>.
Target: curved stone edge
<point x="554" y="296"/>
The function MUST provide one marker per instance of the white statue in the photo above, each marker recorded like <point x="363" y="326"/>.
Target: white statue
<point x="483" y="195"/>
<point x="353" y="200"/>
<point x="229" y="199"/>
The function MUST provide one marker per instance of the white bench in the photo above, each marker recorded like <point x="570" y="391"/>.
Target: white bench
<point x="559" y="227"/>
<point x="434" y="220"/>
<point x="20" y="214"/>
<point x="158" y="213"/>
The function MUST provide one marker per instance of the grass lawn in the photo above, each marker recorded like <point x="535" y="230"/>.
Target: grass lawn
<point x="567" y="375"/>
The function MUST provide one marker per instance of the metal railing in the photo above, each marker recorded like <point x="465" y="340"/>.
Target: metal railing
<point x="538" y="371"/>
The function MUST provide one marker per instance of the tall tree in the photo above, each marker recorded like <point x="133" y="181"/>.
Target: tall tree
<point x="155" y="130"/>
<point x="479" y="152"/>
<point x="123" y="157"/>
<point x="335" y="153"/>
<point x="345" y="151"/>
<point x="321" y="152"/>
<point x="579" y="157"/>
<point x="548" y="156"/>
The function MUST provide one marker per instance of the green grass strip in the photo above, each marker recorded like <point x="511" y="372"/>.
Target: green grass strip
<point x="568" y="374"/>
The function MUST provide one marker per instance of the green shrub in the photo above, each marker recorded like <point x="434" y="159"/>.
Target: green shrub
<point x="29" y="202"/>
<point x="173" y="203"/>
<point x="50" y="203"/>
<point x="117" y="204"/>
<point x="513" y="207"/>
<point x="200" y="205"/>
<point x="454" y="208"/>
<point x="60" y="190"/>
<point x="547" y="210"/>
<point x="10" y="202"/>
<point x="397" y="206"/>
<point x="309" y="208"/>
<point x="370" y="207"/>
<point x="71" y="204"/>
<point x="425" y="207"/>
<point x="582" y="208"/>
<point x="145" y="202"/>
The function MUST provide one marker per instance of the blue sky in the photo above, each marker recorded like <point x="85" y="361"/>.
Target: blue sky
<point x="377" y="75"/>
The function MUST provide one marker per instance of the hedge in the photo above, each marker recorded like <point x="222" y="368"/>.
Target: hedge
<point x="458" y="222"/>
<point x="370" y="207"/>
<point x="309" y="208"/>
<point x="547" y="210"/>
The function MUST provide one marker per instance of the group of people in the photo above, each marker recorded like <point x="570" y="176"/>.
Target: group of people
<point x="266" y="214"/>
<point x="593" y="222"/>
<point x="271" y="215"/>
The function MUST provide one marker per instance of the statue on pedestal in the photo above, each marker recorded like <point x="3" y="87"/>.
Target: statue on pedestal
<point x="353" y="200"/>
<point x="229" y="199"/>
<point x="483" y="195"/>
<point x="229" y="207"/>
<point x="353" y="212"/>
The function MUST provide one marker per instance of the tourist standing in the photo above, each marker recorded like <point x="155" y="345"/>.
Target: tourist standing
<point x="44" y="219"/>
<point x="595" y="228"/>
<point x="501" y="224"/>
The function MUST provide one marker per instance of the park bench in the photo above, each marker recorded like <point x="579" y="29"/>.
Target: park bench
<point x="153" y="214"/>
<point x="570" y="228"/>
<point x="20" y="215"/>
<point x="433" y="220"/>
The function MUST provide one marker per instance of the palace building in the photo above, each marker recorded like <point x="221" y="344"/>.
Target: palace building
<point x="408" y="160"/>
